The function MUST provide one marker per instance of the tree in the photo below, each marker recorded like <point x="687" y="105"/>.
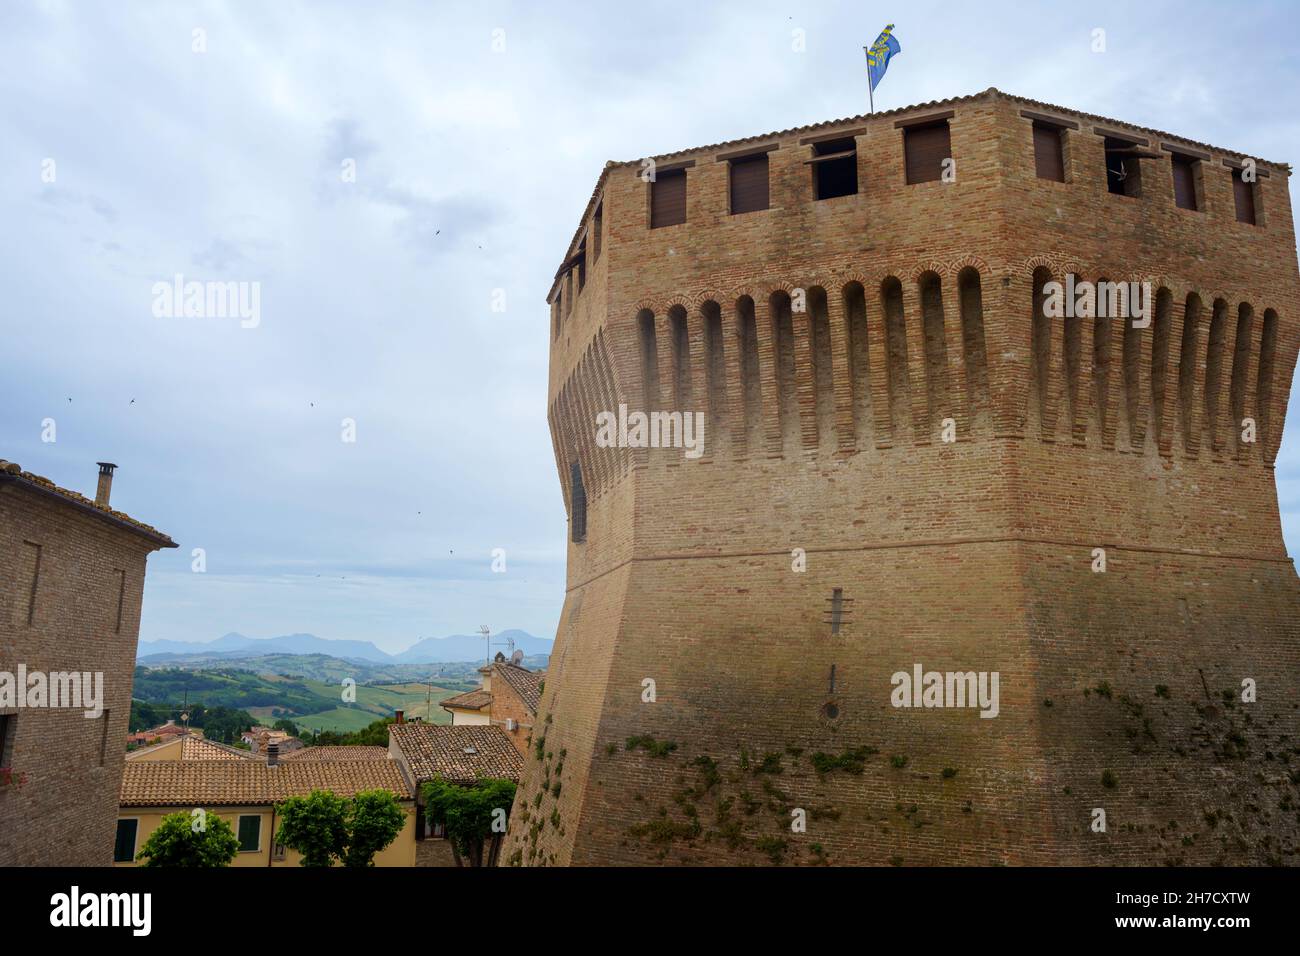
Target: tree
<point x="374" y="822"/>
<point x="288" y="726"/>
<point x="472" y="816"/>
<point x="190" y="839"/>
<point x="327" y="829"/>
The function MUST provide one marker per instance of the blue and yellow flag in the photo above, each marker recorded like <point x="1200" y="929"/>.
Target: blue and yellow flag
<point x="879" y="54"/>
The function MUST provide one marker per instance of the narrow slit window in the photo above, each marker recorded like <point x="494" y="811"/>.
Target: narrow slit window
<point x="1243" y="197"/>
<point x="668" y="198"/>
<point x="1185" y="182"/>
<point x="1049" y="157"/>
<point x="924" y="150"/>
<point x="121" y="599"/>
<point x="835" y="168"/>
<point x="578" y="504"/>
<point x="749" y="184"/>
<point x="597" y="227"/>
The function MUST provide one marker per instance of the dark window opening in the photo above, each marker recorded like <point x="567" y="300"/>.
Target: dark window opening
<point x="597" y="226"/>
<point x="582" y="265"/>
<point x="924" y="150"/>
<point x="668" y="198"/>
<point x="250" y="833"/>
<point x="124" y="845"/>
<point x="1049" y="158"/>
<point x="1123" y="168"/>
<point x="749" y="184"/>
<point x="835" y="168"/>
<point x="121" y="599"/>
<point x="578" y="504"/>
<point x="103" y="740"/>
<point x="1243" y="197"/>
<point x="1185" y="182"/>
<point x="6" y="722"/>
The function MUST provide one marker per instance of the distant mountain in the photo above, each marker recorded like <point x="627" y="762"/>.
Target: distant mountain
<point x="457" y="647"/>
<point x="469" y="647"/>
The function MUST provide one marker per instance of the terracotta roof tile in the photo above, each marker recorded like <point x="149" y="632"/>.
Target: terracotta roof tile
<point x="345" y="752"/>
<point x="441" y="751"/>
<point x="197" y="783"/>
<point x="525" y="683"/>
<point x="196" y="748"/>
<point x="471" y="700"/>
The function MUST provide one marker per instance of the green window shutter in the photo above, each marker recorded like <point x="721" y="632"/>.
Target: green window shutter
<point x="124" y="850"/>
<point x="250" y="833"/>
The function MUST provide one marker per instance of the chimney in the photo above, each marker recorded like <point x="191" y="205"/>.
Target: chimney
<point x="272" y="754"/>
<point x="401" y="716"/>
<point x="105" y="483"/>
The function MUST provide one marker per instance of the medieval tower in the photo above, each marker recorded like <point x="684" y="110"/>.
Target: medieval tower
<point x="914" y="462"/>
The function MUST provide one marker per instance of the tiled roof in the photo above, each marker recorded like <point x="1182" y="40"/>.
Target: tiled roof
<point x="522" y="681"/>
<point x="440" y="751"/>
<point x="198" y="783"/>
<point x="349" y="752"/>
<point x="196" y="748"/>
<point x="991" y="92"/>
<point x="11" y="471"/>
<point x="471" y="700"/>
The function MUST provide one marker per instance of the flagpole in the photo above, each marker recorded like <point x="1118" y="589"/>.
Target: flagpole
<point x="871" y="96"/>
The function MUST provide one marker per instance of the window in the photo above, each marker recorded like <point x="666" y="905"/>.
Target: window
<point x="103" y="740"/>
<point x="924" y="150"/>
<point x="250" y="832"/>
<point x="31" y="572"/>
<point x="555" y="313"/>
<point x="124" y="846"/>
<point x="277" y="853"/>
<point x="1049" y="159"/>
<point x="6" y="722"/>
<point x="749" y="191"/>
<point x="582" y="264"/>
<point x="835" y="168"/>
<point x="1185" y="182"/>
<point x="578" y="504"/>
<point x="1123" y="168"/>
<point x="1243" y="197"/>
<point x="121" y="599"/>
<point x="597" y="226"/>
<point x="668" y="198"/>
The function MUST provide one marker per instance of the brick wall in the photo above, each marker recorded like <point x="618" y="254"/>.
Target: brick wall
<point x="66" y="812"/>
<point x="972" y="556"/>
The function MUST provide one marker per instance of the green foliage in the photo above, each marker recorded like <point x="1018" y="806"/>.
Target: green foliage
<point x="771" y="763"/>
<point x="898" y="761"/>
<point x="1162" y="690"/>
<point x="850" y="761"/>
<point x="374" y="820"/>
<point x="315" y="826"/>
<point x="176" y="842"/>
<point x="1103" y="690"/>
<point x="288" y="726"/>
<point x="656" y="748"/>
<point x="774" y="847"/>
<point x="468" y="813"/>
<point x="374" y="734"/>
<point x="949" y="772"/>
<point x="1108" y="779"/>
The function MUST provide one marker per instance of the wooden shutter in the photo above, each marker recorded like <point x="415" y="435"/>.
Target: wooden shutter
<point x="749" y="184"/>
<point x="1243" y="196"/>
<point x="925" y="148"/>
<point x="124" y="845"/>
<point x="1049" y="163"/>
<point x="668" y="199"/>
<point x="1184" y="182"/>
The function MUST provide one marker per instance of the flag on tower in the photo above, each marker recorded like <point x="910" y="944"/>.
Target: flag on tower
<point x="879" y="54"/>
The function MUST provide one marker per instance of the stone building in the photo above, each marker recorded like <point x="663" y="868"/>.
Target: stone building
<point x="507" y="698"/>
<point x="73" y="572"/>
<point x="917" y="469"/>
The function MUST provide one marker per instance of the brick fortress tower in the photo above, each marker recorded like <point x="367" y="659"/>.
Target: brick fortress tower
<point x="1100" y="532"/>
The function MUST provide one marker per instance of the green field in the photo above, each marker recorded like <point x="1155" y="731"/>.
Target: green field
<point x="372" y="703"/>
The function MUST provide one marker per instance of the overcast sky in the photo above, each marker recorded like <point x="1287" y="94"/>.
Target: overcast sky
<point x="473" y="165"/>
